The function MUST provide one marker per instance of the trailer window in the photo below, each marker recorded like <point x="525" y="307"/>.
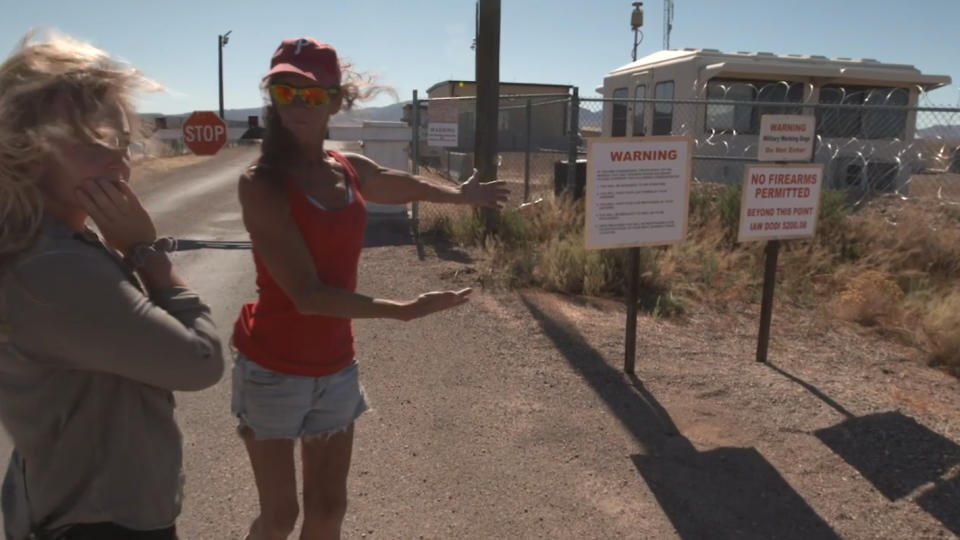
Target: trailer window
<point x="663" y="112"/>
<point x="638" y="109"/>
<point x="745" y="118"/>
<point x="619" y="127"/>
<point x="862" y="122"/>
<point x="727" y="118"/>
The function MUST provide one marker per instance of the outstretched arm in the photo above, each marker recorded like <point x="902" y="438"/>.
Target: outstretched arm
<point x="391" y="186"/>
<point x="281" y="247"/>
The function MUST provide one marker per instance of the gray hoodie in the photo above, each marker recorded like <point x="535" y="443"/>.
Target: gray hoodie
<point x="87" y="365"/>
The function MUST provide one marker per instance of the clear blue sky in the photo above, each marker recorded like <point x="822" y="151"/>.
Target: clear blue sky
<point x="416" y="43"/>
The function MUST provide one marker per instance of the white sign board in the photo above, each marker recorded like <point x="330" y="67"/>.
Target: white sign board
<point x="786" y="137"/>
<point x="637" y="191"/>
<point x="442" y="122"/>
<point x="780" y="201"/>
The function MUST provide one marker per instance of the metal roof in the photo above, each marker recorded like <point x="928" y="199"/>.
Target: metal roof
<point x="502" y="83"/>
<point x="743" y="63"/>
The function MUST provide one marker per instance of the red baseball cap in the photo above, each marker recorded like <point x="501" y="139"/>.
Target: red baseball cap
<point x="308" y="57"/>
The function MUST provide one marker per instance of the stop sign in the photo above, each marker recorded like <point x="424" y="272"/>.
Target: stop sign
<point x="204" y="133"/>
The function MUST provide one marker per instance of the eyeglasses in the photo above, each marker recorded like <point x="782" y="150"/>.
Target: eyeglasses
<point x="312" y="96"/>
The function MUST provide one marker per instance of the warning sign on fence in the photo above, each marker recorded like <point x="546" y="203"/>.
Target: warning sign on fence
<point x="637" y="191"/>
<point x="786" y="137"/>
<point x="780" y="201"/>
<point x="442" y="122"/>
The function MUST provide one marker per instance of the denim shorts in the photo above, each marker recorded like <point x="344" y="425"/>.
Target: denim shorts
<point x="281" y="406"/>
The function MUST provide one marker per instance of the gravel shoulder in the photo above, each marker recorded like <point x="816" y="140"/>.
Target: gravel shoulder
<point x="511" y="418"/>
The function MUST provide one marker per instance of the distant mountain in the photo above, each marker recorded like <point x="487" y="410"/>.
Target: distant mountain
<point x="394" y="112"/>
<point x="950" y="132"/>
<point x="590" y="119"/>
<point x="355" y="117"/>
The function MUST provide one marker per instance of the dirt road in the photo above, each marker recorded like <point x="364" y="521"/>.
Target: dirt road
<point x="510" y="417"/>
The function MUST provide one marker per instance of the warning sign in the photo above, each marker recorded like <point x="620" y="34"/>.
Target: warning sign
<point x="786" y="137"/>
<point x="780" y="201"/>
<point x="442" y="122"/>
<point x="637" y="191"/>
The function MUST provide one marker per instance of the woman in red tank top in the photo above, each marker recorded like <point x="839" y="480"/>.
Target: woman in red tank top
<point x="295" y="377"/>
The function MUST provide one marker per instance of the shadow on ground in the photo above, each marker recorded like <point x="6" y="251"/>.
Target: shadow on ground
<point x="897" y="454"/>
<point x="448" y="251"/>
<point x="717" y="494"/>
<point x="389" y="232"/>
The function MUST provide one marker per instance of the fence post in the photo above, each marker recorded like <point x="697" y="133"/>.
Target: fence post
<point x="415" y="161"/>
<point x="526" y="158"/>
<point x="574" y="139"/>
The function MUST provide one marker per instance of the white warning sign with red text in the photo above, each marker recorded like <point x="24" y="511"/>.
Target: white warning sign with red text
<point x="786" y="137"/>
<point x="780" y="201"/>
<point x="637" y="191"/>
<point x="442" y="122"/>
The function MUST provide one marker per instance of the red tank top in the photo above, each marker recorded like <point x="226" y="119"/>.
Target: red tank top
<point x="271" y="331"/>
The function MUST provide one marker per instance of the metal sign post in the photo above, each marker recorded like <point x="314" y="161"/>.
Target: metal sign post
<point x="633" y="293"/>
<point x="766" y="304"/>
<point x="780" y="201"/>
<point x="637" y="194"/>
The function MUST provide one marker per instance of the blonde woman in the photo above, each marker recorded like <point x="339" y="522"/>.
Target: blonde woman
<point x="95" y="331"/>
<point x="296" y="377"/>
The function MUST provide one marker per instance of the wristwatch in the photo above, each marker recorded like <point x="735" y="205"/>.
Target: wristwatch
<point x="137" y="257"/>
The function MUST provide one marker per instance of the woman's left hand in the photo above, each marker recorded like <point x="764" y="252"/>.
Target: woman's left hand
<point x="119" y="216"/>
<point x="488" y="194"/>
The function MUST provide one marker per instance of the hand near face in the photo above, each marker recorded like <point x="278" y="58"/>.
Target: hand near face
<point x="119" y="216"/>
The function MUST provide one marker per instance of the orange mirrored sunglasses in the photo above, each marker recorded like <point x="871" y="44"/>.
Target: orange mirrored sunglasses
<point x="312" y="96"/>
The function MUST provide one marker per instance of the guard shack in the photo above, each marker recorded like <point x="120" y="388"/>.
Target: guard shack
<point x="860" y="146"/>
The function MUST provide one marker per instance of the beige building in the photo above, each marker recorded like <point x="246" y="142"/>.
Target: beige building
<point x="860" y="146"/>
<point x="549" y="114"/>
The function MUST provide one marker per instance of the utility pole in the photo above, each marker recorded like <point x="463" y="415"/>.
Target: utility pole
<point x="221" y="42"/>
<point x="488" y="91"/>
<point x="636" y="21"/>
<point x="667" y="22"/>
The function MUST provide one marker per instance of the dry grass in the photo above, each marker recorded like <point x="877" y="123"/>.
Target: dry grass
<point x="945" y="186"/>
<point x="941" y="328"/>
<point x="891" y="265"/>
<point x="870" y="298"/>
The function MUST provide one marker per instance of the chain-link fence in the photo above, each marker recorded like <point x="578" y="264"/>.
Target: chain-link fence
<point x="533" y="136"/>
<point x="869" y="139"/>
<point x="865" y="148"/>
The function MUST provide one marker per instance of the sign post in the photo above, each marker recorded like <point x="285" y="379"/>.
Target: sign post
<point x="637" y="194"/>
<point x="780" y="201"/>
<point x="204" y="133"/>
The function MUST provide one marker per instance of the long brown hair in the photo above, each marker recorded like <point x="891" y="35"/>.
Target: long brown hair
<point x="279" y="150"/>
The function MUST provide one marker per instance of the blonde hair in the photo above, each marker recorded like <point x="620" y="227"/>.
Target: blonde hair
<point x="48" y="91"/>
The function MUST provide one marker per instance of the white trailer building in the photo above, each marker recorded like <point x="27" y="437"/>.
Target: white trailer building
<point x="859" y="145"/>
